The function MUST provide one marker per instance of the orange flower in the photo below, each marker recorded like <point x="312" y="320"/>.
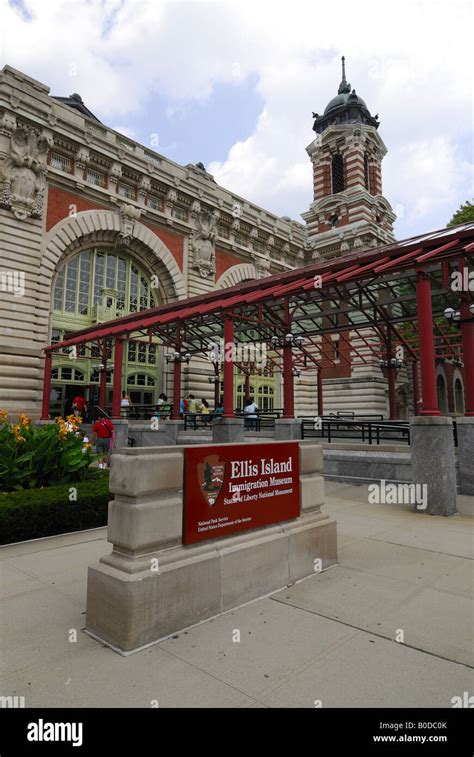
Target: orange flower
<point x="18" y="437"/>
<point x="3" y="416"/>
<point x="25" y="420"/>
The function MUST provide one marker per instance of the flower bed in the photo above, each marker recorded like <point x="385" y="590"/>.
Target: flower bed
<point x="35" y="456"/>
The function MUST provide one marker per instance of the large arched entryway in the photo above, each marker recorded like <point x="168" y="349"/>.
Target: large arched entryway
<point x="98" y="278"/>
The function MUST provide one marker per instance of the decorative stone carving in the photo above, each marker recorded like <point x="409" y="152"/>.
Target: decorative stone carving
<point x="129" y="214"/>
<point x="7" y="123"/>
<point x="235" y="225"/>
<point x="115" y="172"/>
<point x="195" y="208"/>
<point x="357" y="138"/>
<point x="22" y="173"/>
<point x="145" y="184"/>
<point x="171" y="197"/>
<point x="358" y="243"/>
<point x="345" y="247"/>
<point x="82" y="157"/>
<point x="262" y="267"/>
<point x="202" y="244"/>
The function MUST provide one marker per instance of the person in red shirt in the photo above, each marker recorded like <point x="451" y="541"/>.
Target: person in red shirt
<point x="79" y="405"/>
<point x="102" y="434"/>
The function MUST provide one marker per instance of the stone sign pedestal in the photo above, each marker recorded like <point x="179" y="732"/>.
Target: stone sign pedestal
<point x="433" y="461"/>
<point x="151" y="586"/>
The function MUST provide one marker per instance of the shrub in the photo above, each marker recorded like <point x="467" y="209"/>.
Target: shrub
<point x="34" y="513"/>
<point x="34" y="456"/>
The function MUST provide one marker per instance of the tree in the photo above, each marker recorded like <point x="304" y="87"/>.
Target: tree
<point x="463" y="215"/>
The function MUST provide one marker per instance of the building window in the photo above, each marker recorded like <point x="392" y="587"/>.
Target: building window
<point x="125" y="190"/>
<point x="366" y="173"/>
<point x="98" y="178"/>
<point x="458" y="396"/>
<point x="336" y="351"/>
<point x="265" y="397"/>
<point x="442" y="394"/>
<point x="223" y="231"/>
<point x="179" y="213"/>
<point x="154" y="202"/>
<point x="61" y="162"/>
<point x="79" y="285"/>
<point x="337" y="174"/>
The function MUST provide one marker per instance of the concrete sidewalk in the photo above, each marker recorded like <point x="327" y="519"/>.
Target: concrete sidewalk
<point x="327" y="641"/>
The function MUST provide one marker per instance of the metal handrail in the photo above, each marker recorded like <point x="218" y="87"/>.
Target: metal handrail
<point x="368" y="430"/>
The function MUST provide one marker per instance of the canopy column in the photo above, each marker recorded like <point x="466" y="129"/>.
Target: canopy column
<point x="288" y="378"/>
<point x="467" y="337"/>
<point x="247" y="386"/>
<point x="429" y="405"/>
<point x="320" y="393"/>
<point x="46" y="386"/>
<point x="416" y="387"/>
<point x="103" y="387"/>
<point x="228" y="367"/>
<point x="117" y="383"/>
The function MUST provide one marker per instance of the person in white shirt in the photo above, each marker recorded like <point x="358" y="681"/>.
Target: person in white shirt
<point x="250" y="414"/>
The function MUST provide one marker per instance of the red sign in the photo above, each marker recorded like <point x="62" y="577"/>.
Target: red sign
<point x="237" y="487"/>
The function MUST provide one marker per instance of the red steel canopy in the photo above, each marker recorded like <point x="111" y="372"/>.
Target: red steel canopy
<point x="350" y="296"/>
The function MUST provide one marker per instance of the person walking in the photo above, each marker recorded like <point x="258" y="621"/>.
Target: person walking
<point x="79" y="405"/>
<point x="204" y="410"/>
<point x="250" y="415"/>
<point x="161" y="404"/>
<point x="103" y="434"/>
<point x="125" y="405"/>
<point x="192" y="409"/>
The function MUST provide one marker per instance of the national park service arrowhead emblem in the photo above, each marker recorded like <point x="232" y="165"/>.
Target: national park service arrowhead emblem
<point x="211" y="478"/>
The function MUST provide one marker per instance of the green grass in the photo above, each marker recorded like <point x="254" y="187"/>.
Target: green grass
<point x="35" y="513"/>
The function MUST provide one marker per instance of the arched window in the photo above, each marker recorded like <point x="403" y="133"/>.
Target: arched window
<point x="458" y="396"/>
<point x="337" y="174"/>
<point x="82" y="278"/>
<point x="265" y="397"/>
<point x="441" y="391"/>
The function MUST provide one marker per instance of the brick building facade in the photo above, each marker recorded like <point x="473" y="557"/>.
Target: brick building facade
<point x="94" y="225"/>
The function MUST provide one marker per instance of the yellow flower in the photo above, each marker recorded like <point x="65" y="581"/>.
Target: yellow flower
<point x="25" y="420"/>
<point x="18" y="437"/>
<point x="3" y="416"/>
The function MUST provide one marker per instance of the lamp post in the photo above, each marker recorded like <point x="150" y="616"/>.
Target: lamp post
<point x="390" y="368"/>
<point x="177" y="357"/>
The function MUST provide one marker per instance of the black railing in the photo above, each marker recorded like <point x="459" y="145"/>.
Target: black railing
<point x="371" y="432"/>
<point x="145" y="412"/>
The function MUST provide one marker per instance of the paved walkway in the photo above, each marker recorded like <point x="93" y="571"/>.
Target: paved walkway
<point x="328" y="640"/>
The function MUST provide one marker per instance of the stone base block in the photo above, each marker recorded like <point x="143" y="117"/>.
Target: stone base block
<point x="287" y="429"/>
<point x="128" y="610"/>
<point x="227" y="430"/>
<point x="433" y="461"/>
<point x="466" y="455"/>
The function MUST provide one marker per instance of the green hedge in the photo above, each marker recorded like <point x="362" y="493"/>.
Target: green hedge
<point x="34" y="513"/>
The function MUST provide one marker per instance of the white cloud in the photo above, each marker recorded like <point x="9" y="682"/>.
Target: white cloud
<point x="124" y="53"/>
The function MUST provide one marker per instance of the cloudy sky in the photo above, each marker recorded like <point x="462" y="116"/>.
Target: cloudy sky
<point x="233" y="84"/>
